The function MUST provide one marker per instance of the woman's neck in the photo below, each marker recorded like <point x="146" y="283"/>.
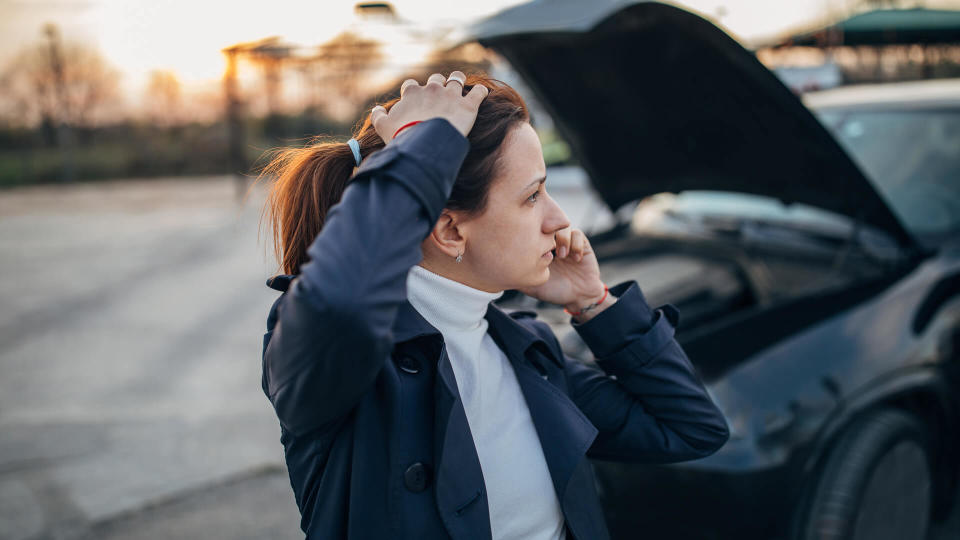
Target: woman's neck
<point x="445" y="303"/>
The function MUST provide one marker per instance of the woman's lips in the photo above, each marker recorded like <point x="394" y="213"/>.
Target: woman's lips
<point x="548" y="255"/>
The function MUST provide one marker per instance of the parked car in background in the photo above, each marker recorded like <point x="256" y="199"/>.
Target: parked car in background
<point x="813" y="254"/>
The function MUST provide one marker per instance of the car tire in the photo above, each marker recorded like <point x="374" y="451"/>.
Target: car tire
<point x="875" y="483"/>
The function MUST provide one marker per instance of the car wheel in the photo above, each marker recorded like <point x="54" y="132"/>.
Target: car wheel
<point x="875" y="483"/>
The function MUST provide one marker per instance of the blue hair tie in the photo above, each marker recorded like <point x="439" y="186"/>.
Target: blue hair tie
<point x="355" y="146"/>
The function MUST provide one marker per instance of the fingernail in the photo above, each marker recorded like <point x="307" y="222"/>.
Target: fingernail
<point x="563" y="252"/>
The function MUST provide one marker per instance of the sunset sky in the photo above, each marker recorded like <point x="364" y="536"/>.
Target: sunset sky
<point x="185" y="36"/>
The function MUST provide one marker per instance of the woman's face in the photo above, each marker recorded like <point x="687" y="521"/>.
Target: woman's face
<point x="505" y="246"/>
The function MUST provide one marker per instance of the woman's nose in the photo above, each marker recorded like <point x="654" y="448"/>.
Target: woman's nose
<point x="556" y="218"/>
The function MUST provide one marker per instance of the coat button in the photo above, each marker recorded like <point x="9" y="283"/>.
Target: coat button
<point x="410" y="364"/>
<point x="417" y="477"/>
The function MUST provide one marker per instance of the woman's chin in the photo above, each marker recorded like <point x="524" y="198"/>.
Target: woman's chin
<point x="543" y="277"/>
<point x="535" y="279"/>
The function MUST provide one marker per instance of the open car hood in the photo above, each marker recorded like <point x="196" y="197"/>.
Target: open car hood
<point x="653" y="98"/>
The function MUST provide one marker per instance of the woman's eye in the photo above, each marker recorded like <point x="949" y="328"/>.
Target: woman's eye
<point x="533" y="198"/>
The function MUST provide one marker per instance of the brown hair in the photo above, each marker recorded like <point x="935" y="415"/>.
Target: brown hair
<point x="310" y="180"/>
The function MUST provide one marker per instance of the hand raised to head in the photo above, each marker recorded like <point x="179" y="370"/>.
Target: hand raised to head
<point x="440" y="97"/>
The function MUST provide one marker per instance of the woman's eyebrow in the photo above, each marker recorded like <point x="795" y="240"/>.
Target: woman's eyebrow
<point x="537" y="181"/>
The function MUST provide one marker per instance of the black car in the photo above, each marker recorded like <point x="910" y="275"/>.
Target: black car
<point x="813" y="255"/>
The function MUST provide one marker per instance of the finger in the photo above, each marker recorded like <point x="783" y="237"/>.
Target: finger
<point x="576" y="244"/>
<point x="563" y="242"/>
<point x="587" y="248"/>
<point x="456" y="78"/>
<point x="378" y="115"/>
<point x="476" y="94"/>
<point x="407" y="84"/>
<point x="436" y="78"/>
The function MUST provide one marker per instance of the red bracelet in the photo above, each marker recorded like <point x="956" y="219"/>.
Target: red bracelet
<point x="405" y="126"/>
<point x="591" y="306"/>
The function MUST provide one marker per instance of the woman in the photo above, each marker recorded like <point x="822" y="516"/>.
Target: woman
<point x="409" y="405"/>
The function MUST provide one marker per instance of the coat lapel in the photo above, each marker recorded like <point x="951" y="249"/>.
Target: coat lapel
<point x="461" y="495"/>
<point x="461" y="492"/>
<point x="565" y="432"/>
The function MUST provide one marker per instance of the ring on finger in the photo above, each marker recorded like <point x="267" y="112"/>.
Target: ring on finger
<point x="456" y="78"/>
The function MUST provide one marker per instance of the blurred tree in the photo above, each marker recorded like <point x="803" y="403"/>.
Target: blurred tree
<point x="60" y="87"/>
<point x="346" y="62"/>
<point x="270" y="55"/>
<point x="55" y="82"/>
<point x="468" y="58"/>
<point x="162" y="98"/>
<point x="235" y="155"/>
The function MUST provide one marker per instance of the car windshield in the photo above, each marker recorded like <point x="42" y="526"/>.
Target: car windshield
<point x="913" y="158"/>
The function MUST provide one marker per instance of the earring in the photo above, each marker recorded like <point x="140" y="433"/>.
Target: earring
<point x="459" y="256"/>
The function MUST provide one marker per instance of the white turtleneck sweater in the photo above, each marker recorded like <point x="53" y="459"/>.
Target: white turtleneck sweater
<point x="520" y="493"/>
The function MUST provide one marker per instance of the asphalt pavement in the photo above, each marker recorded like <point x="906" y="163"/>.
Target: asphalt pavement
<point x="130" y="338"/>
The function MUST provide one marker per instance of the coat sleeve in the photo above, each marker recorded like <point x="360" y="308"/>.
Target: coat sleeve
<point x="656" y="409"/>
<point x="329" y="334"/>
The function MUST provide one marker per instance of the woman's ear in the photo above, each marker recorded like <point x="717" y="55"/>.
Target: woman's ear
<point x="446" y="235"/>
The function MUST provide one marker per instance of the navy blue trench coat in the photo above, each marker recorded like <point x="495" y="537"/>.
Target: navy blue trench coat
<point x="376" y="440"/>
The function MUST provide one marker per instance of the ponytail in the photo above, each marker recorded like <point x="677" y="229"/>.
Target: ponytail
<point x="309" y="181"/>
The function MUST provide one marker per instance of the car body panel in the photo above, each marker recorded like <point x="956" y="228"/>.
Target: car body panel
<point x="787" y="404"/>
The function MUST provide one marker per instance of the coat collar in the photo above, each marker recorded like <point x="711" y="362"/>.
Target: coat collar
<point x="512" y="336"/>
